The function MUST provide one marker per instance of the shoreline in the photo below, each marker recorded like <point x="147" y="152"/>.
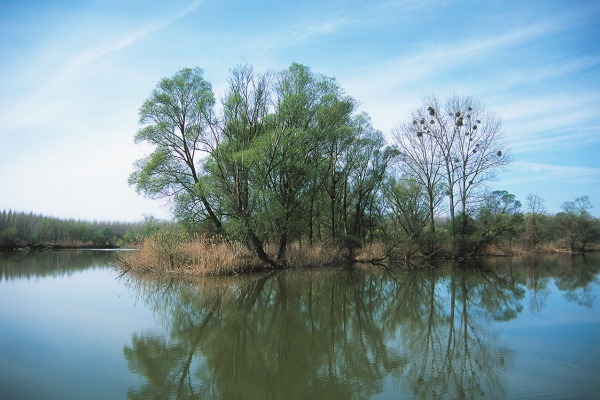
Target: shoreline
<point x="247" y="264"/>
<point x="52" y="247"/>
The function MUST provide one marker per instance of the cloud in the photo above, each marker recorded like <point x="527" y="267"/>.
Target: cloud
<point x="515" y="78"/>
<point x="438" y="59"/>
<point x="60" y="93"/>
<point x="103" y="49"/>
<point x="544" y="123"/>
<point x="288" y="36"/>
<point x="522" y="172"/>
<point x="488" y="67"/>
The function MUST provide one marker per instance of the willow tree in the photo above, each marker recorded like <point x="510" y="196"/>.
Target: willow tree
<point x="371" y="158"/>
<point x="267" y="153"/>
<point x="175" y="120"/>
<point x="236" y="166"/>
<point x="257" y="168"/>
<point x="578" y="225"/>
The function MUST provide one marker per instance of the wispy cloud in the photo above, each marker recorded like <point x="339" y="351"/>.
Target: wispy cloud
<point x="58" y="92"/>
<point x="301" y="32"/>
<point x="530" y="172"/>
<point x="127" y="40"/>
<point x="556" y="122"/>
<point x="439" y="58"/>
<point x="473" y="65"/>
<point x="520" y="77"/>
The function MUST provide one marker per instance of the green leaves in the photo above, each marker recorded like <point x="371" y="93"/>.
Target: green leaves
<point x="281" y="144"/>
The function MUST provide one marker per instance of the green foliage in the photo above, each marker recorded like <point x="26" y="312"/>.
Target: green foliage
<point x="408" y="204"/>
<point x="578" y="225"/>
<point x="19" y="229"/>
<point x="175" y="120"/>
<point x="283" y="143"/>
<point x="9" y="237"/>
<point x="287" y="158"/>
<point x="499" y="219"/>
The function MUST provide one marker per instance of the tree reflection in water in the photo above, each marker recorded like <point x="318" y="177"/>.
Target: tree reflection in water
<point x="452" y="354"/>
<point x="332" y="334"/>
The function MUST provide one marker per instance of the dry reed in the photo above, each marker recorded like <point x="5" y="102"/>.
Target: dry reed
<point x="200" y="255"/>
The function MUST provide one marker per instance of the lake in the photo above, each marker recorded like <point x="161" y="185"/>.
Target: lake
<point x="512" y="328"/>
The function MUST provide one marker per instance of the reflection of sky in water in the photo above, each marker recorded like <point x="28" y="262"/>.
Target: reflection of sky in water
<point x="72" y="331"/>
<point x="62" y="336"/>
<point x="557" y="347"/>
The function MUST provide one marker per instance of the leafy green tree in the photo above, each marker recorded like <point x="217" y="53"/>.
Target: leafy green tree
<point x="310" y="110"/>
<point x="9" y="237"/>
<point x="372" y="159"/>
<point x="285" y="140"/>
<point x="175" y="121"/>
<point x="237" y="170"/>
<point x="409" y="205"/>
<point x="498" y="218"/>
<point x="577" y="223"/>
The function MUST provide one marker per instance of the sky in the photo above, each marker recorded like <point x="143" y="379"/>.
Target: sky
<point x="73" y="75"/>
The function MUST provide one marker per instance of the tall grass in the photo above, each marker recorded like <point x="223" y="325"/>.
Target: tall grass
<point x="172" y="251"/>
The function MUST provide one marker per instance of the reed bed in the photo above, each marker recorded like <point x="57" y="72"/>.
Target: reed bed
<point x="315" y="255"/>
<point x="172" y="253"/>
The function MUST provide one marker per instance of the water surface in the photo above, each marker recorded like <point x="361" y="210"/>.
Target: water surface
<point x="70" y="328"/>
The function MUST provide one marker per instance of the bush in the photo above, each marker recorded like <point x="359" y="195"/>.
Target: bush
<point x="9" y="237"/>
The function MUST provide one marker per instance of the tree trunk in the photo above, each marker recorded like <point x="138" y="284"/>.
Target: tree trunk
<point x="256" y="246"/>
<point x="431" y="217"/>
<point x="281" y="250"/>
<point x="211" y="214"/>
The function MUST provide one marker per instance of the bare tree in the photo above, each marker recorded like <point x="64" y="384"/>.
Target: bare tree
<point x="421" y="160"/>
<point x="536" y="210"/>
<point x="457" y="142"/>
<point x="470" y="141"/>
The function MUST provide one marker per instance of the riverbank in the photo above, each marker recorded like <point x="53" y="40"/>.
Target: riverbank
<point x="205" y="256"/>
<point x="45" y="247"/>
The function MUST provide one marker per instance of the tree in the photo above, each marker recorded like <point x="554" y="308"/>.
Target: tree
<point x="578" y="224"/>
<point x="268" y="161"/>
<point x="310" y="109"/>
<point x="237" y="168"/>
<point x="533" y="220"/>
<point x="175" y="120"/>
<point x="368" y="159"/>
<point x="499" y="217"/>
<point x="409" y="205"/>
<point x="421" y="159"/>
<point x="466" y="143"/>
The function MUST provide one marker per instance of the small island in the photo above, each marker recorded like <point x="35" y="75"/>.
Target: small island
<point x="285" y="171"/>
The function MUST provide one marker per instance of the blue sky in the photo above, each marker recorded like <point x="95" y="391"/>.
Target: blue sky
<point x="74" y="73"/>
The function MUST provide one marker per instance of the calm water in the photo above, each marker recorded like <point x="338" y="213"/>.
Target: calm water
<point x="70" y="328"/>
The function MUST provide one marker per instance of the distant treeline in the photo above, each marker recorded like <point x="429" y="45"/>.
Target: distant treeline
<point x="29" y="230"/>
